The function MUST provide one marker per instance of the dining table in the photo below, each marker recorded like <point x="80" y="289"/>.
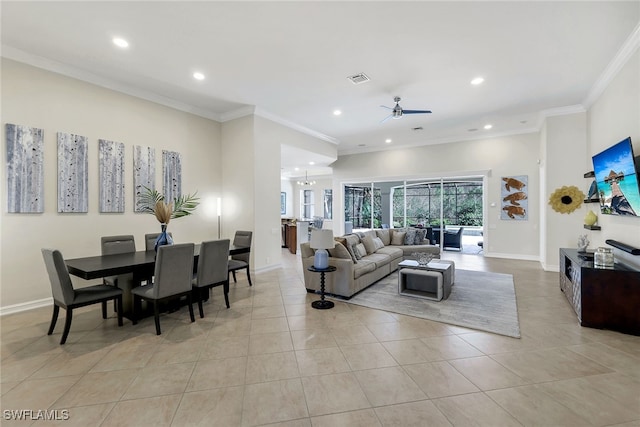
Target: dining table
<point x="140" y="263"/>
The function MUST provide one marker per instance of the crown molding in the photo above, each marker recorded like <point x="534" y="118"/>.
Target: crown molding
<point x="236" y="114"/>
<point x="620" y="60"/>
<point x="284" y="122"/>
<point x="85" y="76"/>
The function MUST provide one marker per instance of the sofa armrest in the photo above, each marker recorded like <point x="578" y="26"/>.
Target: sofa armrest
<point x="335" y="282"/>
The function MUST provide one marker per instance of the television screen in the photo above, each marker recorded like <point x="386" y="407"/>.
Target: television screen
<point x="617" y="180"/>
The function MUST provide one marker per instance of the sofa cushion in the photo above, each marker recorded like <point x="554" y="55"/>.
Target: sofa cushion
<point x="393" y="252"/>
<point x="363" y="267"/>
<point x="379" y="259"/>
<point x="398" y="238"/>
<point x="367" y="241"/>
<point x="339" y="251"/>
<point x="385" y="236"/>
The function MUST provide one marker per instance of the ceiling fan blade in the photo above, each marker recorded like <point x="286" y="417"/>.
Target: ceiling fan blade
<point x="388" y="108"/>
<point x="386" y="118"/>
<point x="416" y="111"/>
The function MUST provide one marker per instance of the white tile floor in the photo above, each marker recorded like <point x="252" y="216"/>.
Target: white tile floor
<point x="273" y="360"/>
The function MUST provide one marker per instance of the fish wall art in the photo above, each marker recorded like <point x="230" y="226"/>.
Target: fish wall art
<point x="514" y="193"/>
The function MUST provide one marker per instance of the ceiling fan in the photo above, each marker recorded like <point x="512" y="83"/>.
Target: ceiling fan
<point x="397" y="111"/>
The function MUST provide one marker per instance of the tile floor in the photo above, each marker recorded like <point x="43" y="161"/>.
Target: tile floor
<point x="273" y="360"/>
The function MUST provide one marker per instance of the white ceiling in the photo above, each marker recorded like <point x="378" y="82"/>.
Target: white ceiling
<point x="290" y="60"/>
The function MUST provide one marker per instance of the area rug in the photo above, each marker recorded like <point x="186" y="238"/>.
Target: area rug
<point x="479" y="300"/>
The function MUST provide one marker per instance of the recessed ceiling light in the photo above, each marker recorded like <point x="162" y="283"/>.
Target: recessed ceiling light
<point x="198" y="76"/>
<point x="120" y="42"/>
<point x="297" y="169"/>
<point x="337" y="112"/>
<point x="388" y="140"/>
<point x="477" y="81"/>
<point x="312" y="163"/>
<point x="488" y="126"/>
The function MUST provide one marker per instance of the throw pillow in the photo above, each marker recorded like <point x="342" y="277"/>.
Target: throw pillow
<point x="410" y="237"/>
<point x="378" y="243"/>
<point x="385" y="236"/>
<point x="420" y="233"/>
<point x="398" y="238"/>
<point x="356" y="252"/>
<point x="339" y="251"/>
<point x="369" y="246"/>
<point x="361" y="250"/>
<point x="348" y="247"/>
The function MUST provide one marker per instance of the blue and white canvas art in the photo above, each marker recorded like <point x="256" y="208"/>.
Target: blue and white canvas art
<point x="111" y="176"/>
<point x="172" y="174"/>
<point x="73" y="173"/>
<point x="144" y="171"/>
<point x="25" y="169"/>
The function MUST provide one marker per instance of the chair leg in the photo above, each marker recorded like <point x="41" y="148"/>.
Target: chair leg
<point x="249" y="277"/>
<point x="67" y="325"/>
<point x="190" y="302"/>
<point x="200" y="291"/>
<point x="54" y="318"/>
<point x="156" y="316"/>
<point x="118" y="301"/>
<point x="136" y="307"/>
<point x="226" y="292"/>
<point x="234" y="276"/>
<point x="104" y="309"/>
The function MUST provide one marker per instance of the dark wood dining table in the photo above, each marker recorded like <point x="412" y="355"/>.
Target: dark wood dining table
<point x="141" y="264"/>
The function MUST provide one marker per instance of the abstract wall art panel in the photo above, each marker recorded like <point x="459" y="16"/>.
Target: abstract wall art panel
<point x="144" y="171"/>
<point x="73" y="176"/>
<point x="515" y="203"/>
<point x="172" y="174"/>
<point x="25" y="169"/>
<point x="111" y="176"/>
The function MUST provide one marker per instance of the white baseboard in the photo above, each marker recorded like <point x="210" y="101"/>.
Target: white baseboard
<point x="25" y="306"/>
<point x="267" y="268"/>
<point x="512" y="256"/>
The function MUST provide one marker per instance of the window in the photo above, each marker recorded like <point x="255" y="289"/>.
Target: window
<point x="362" y="206"/>
<point x="328" y="204"/>
<point x="306" y="205"/>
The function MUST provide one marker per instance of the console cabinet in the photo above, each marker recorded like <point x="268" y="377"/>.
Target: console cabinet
<point x="604" y="298"/>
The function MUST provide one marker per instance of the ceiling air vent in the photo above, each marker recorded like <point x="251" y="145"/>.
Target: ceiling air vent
<point x="359" y="78"/>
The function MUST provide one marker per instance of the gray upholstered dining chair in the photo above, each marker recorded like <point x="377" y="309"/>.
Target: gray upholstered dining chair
<point x="112" y="245"/>
<point x="150" y="240"/>
<point x="65" y="296"/>
<point x="172" y="279"/>
<point x="241" y="261"/>
<point x="212" y="270"/>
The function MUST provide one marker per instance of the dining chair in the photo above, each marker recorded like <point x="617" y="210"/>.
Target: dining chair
<point x="65" y="296"/>
<point x="172" y="279"/>
<point x="112" y="245"/>
<point x="150" y="240"/>
<point x="212" y="270"/>
<point x="241" y="261"/>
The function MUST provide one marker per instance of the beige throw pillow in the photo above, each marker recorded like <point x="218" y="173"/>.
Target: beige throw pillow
<point x="339" y="251"/>
<point x="369" y="246"/>
<point x="384" y="235"/>
<point x="398" y="238"/>
<point x="361" y="250"/>
<point x="378" y="243"/>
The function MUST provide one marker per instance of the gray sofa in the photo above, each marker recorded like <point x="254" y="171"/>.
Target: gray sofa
<point x="361" y="259"/>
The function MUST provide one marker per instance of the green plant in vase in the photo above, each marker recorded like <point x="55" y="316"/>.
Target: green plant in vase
<point x="153" y="202"/>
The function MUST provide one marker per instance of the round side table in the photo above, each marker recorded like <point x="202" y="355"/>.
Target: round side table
<point x="322" y="304"/>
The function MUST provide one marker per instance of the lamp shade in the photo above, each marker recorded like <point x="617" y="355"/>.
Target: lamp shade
<point x="321" y="239"/>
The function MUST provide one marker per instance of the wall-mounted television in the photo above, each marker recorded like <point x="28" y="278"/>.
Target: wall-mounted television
<point x="617" y="180"/>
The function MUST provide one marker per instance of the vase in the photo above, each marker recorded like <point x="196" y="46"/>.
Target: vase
<point x="163" y="238"/>
<point x="591" y="218"/>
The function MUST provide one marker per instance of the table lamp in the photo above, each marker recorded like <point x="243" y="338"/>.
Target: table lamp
<point x="321" y="240"/>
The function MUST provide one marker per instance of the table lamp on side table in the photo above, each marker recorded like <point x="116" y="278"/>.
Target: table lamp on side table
<point x="321" y="240"/>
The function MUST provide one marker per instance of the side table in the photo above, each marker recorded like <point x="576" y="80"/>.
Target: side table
<point x="322" y="304"/>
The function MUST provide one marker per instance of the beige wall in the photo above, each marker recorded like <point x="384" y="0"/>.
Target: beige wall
<point x="46" y="100"/>
<point x="494" y="158"/>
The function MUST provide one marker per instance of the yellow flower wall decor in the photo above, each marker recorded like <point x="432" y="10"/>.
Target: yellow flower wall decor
<point x="566" y="199"/>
